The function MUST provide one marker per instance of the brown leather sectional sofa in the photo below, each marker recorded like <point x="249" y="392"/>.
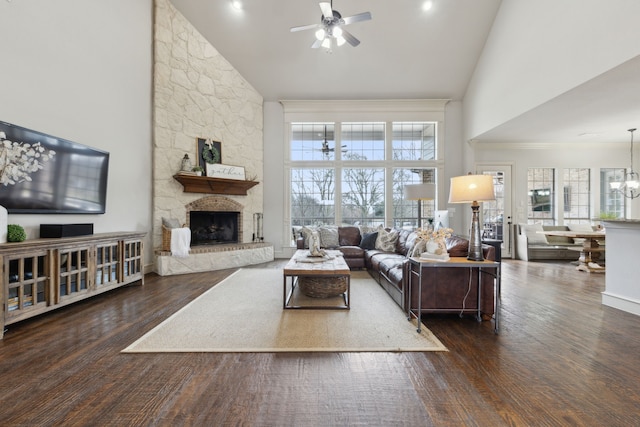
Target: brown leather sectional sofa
<point x="443" y="289"/>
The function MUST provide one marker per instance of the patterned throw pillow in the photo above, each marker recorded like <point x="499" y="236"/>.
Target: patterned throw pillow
<point x="386" y="240"/>
<point x="329" y="236"/>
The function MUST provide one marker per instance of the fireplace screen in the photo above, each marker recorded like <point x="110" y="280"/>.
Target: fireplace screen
<point x="213" y="228"/>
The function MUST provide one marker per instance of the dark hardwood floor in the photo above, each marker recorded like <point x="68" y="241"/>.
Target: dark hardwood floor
<point x="562" y="358"/>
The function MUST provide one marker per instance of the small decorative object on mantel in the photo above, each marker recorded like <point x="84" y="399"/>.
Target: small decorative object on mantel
<point x="198" y="170"/>
<point x="186" y="165"/>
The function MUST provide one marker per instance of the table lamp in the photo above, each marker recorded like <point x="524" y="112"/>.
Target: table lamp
<point x="472" y="189"/>
<point x="419" y="192"/>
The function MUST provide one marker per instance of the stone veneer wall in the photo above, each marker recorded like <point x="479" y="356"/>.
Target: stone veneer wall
<point x="198" y="94"/>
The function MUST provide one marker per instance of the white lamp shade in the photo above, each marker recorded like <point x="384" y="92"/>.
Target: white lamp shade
<point x="471" y="188"/>
<point x="424" y="191"/>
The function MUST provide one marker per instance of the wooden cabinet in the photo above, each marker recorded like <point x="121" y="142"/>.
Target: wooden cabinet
<point x="44" y="274"/>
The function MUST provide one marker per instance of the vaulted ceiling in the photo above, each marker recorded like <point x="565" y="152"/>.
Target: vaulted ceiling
<point x="405" y="52"/>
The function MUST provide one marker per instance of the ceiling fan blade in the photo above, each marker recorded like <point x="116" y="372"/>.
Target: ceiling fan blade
<point x="316" y="44"/>
<point x="305" y="27"/>
<point x="350" y="38"/>
<point x="365" y="16"/>
<point x="327" y="12"/>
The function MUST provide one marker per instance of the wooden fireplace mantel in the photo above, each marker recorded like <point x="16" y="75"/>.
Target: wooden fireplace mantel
<point x="205" y="184"/>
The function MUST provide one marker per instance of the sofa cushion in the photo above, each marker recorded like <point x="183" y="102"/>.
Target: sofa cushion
<point x="369" y="240"/>
<point x="352" y="251"/>
<point x="329" y="236"/>
<point x="386" y="240"/>
<point x="457" y="246"/>
<point x="533" y="237"/>
<point x="405" y="241"/>
<point x="349" y="236"/>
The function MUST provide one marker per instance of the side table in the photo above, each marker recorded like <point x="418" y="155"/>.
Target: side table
<point x="482" y="268"/>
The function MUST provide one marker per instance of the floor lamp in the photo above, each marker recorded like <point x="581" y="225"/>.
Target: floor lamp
<point x="472" y="189"/>
<point x="419" y="192"/>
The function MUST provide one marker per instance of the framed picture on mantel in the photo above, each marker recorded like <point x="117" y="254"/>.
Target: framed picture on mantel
<point x="218" y="170"/>
<point x="208" y="151"/>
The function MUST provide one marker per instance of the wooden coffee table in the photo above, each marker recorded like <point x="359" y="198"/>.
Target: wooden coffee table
<point x="327" y="271"/>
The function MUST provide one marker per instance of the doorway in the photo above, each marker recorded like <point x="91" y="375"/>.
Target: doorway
<point x="496" y="215"/>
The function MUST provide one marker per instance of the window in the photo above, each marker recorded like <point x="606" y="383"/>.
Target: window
<point x="363" y="141"/>
<point x="405" y="212"/>
<point x="363" y="196"/>
<point x="577" y="195"/>
<point x="414" y="141"/>
<point x="355" y="172"/>
<point x="540" y="187"/>
<point x="612" y="203"/>
<point x="312" y="196"/>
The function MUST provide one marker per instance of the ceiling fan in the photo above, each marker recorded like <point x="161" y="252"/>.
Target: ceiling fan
<point x="325" y="145"/>
<point x="330" y="27"/>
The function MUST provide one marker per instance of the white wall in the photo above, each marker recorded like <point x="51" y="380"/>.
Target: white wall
<point x="540" y="49"/>
<point x="81" y="70"/>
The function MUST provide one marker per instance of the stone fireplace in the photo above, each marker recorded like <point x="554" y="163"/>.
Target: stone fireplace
<point x="216" y="224"/>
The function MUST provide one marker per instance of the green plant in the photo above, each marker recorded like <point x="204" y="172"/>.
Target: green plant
<point x="15" y="233"/>
<point x="608" y="215"/>
<point x="197" y="169"/>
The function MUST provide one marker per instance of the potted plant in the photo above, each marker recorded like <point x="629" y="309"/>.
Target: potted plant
<point x="198" y="170"/>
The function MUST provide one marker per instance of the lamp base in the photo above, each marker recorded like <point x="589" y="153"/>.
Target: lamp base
<point x="475" y="241"/>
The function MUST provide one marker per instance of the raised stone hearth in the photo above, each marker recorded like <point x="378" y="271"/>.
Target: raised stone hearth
<point x="218" y="257"/>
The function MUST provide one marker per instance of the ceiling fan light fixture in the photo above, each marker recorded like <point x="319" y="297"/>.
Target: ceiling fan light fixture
<point x="320" y="34"/>
<point x="326" y="43"/>
<point x="336" y="32"/>
<point x="340" y="40"/>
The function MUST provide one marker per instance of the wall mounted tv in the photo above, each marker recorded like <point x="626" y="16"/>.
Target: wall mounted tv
<point x="73" y="181"/>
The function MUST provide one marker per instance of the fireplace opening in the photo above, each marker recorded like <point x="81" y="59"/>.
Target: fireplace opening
<point x="213" y="228"/>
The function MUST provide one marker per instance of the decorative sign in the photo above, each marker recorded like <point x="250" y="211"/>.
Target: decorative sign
<point x="218" y="170"/>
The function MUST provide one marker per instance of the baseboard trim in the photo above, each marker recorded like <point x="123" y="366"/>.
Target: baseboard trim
<point x="620" y="302"/>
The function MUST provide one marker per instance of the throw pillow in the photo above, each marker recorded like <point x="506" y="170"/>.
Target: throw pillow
<point x="171" y="223"/>
<point x="369" y="240"/>
<point x="386" y="240"/>
<point x="533" y="237"/>
<point x="329" y="236"/>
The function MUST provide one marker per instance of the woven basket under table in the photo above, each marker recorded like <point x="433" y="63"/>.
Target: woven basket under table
<point x="322" y="287"/>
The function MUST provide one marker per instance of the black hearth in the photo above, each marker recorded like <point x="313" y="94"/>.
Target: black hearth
<point x="213" y="228"/>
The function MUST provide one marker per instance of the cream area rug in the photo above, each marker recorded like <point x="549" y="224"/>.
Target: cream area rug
<point x="244" y="313"/>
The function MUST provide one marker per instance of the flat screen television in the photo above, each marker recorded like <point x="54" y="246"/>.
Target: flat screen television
<point x="73" y="181"/>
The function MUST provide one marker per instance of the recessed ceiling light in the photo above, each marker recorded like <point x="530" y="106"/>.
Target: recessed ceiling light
<point x="427" y="5"/>
<point x="237" y="4"/>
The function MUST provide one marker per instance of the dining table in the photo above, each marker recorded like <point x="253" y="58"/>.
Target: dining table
<point x="590" y="249"/>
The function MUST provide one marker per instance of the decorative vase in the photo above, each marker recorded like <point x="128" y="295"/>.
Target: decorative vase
<point x="3" y="224"/>
<point x="436" y="247"/>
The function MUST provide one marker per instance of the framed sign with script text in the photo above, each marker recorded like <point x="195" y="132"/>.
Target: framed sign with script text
<point x="218" y="170"/>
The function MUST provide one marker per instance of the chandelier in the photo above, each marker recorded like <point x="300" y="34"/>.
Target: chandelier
<point x="629" y="187"/>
